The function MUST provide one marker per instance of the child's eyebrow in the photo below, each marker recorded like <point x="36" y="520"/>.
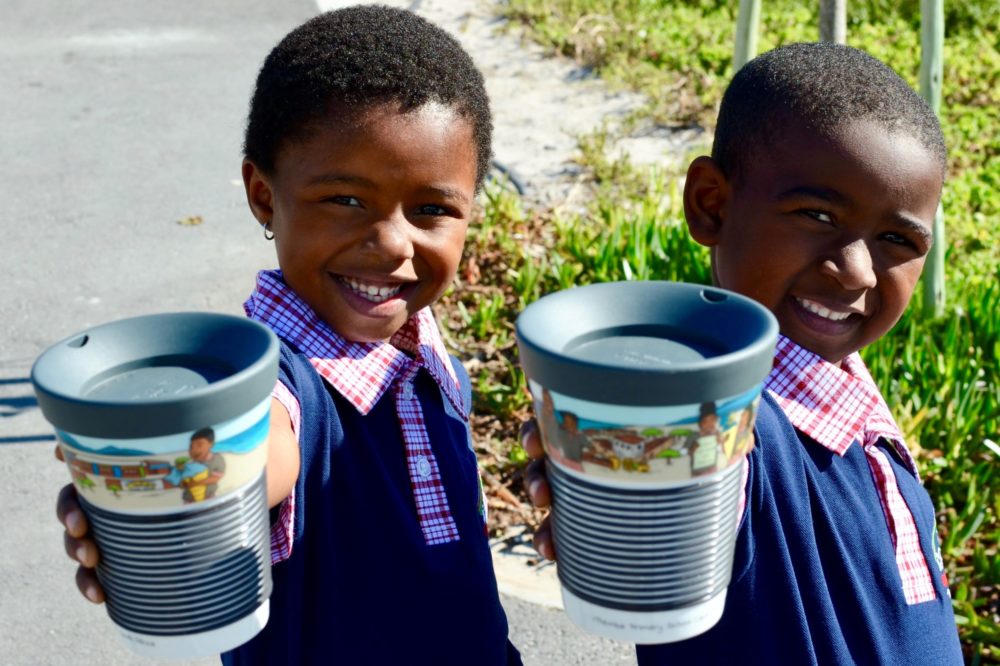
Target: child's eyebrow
<point x="914" y="226"/>
<point x="834" y="197"/>
<point x="450" y="193"/>
<point x="337" y="179"/>
<point x="824" y="193"/>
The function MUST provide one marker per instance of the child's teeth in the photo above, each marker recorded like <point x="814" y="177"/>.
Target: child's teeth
<point x="371" y="292"/>
<point x="818" y="309"/>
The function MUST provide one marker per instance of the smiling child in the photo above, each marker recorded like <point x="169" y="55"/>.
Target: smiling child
<point x="367" y="140"/>
<point x="818" y="201"/>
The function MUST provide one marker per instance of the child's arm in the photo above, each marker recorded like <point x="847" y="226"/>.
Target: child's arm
<point x="282" y="455"/>
<point x="282" y="471"/>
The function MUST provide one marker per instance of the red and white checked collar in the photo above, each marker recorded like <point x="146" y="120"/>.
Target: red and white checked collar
<point x="362" y="372"/>
<point x="836" y="406"/>
<point x="359" y="371"/>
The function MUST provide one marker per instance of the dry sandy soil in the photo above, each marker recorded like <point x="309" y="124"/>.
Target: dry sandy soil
<point x="541" y="104"/>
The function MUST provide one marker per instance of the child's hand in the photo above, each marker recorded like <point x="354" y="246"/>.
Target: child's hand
<point x="538" y="486"/>
<point x="79" y="546"/>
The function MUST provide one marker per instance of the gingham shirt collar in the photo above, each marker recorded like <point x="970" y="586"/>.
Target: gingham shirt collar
<point x="835" y="406"/>
<point x="360" y="371"/>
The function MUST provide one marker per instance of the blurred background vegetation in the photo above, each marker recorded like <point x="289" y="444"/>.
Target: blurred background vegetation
<point x="939" y="376"/>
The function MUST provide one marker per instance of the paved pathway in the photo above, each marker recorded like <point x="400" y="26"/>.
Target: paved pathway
<point x="119" y="122"/>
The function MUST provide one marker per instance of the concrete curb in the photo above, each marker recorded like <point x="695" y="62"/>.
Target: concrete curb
<point x="522" y="573"/>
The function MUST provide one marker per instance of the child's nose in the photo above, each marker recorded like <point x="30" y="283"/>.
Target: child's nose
<point x="852" y="266"/>
<point x="390" y="237"/>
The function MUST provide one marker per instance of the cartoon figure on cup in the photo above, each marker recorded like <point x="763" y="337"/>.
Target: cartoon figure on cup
<point x="572" y="442"/>
<point x="703" y="445"/>
<point x="200" y="473"/>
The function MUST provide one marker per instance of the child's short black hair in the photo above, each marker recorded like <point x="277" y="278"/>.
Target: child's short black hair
<point x="819" y="86"/>
<point x="204" y="433"/>
<point x="355" y="58"/>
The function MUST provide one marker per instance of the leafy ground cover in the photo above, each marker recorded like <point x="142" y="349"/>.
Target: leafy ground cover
<point x="939" y="376"/>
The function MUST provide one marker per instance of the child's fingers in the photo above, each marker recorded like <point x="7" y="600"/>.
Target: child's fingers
<point x="544" y="542"/>
<point x="83" y="551"/>
<point x="86" y="582"/>
<point x="537" y="484"/>
<point x="59" y="453"/>
<point x="70" y="514"/>
<point x="531" y="439"/>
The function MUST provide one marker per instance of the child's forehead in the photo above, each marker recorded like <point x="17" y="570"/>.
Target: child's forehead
<point x="863" y="143"/>
<point x="433" y="112"/>
<point x="343" y="130"/>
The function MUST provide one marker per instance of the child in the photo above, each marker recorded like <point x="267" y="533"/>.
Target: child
<point x="818" y="202"/>
<point x="704" y="443"/>
<point x="367" y="140"/>
<point x="199" y="474"/>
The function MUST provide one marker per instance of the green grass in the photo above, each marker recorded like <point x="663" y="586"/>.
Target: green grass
<point x="940" y="376"/>
<point x="680" y="54"/>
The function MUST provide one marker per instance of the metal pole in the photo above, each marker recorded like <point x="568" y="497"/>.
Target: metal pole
<point x="747" y="22"/>
<point x="833" y="21"/>
<point x="931" y="68"/>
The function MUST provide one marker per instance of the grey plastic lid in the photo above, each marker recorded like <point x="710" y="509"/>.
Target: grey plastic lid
<point x="647" y="343"/>
<point x="156" y="375"/>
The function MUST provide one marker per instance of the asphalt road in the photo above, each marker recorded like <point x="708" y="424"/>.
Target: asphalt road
<point x="119" y="120"/>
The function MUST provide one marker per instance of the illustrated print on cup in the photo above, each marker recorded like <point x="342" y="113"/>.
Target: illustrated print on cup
<point x="163" y="421"/>
<point x="645" y="394"/>
<point x="155" y="473"/>
<point x="688" y="441"/>
<point x="200" y="472"/>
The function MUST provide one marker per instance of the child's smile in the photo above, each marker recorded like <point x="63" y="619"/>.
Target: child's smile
<point x="829" y="233"/>
<point x="372" y="292"/>
<point x="369" y="214"/>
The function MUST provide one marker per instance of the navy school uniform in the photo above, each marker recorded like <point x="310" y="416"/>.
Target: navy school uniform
<point x="815" y="579"/>
<point x="361" y="585"/>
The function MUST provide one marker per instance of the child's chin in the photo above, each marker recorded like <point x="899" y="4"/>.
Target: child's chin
<point x="370" y="334"/>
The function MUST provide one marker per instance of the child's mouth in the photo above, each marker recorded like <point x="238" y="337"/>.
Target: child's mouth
<point x="821" y="311"/>
<point x="375" y="293"/>
<point x="821" y="319"/>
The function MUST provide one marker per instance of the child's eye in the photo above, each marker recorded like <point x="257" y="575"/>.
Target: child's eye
<point x="819" y="216"/>
<point x="898" y="239"/>
<point x="344" y="201"/>
<point x="434" y="210"/>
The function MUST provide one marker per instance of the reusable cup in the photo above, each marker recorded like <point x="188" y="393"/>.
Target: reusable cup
<point x="163" y="423"/>
<point x="645" y="394"/>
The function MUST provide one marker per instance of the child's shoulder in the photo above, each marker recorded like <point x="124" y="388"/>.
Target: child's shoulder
<point x="777" y="443"/>
<point x="464" y="382"/>
<point x="293" y="364"/>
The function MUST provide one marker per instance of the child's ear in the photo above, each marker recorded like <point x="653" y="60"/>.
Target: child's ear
<point x="706" y="192"/>
<point x="259" y="194"/>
